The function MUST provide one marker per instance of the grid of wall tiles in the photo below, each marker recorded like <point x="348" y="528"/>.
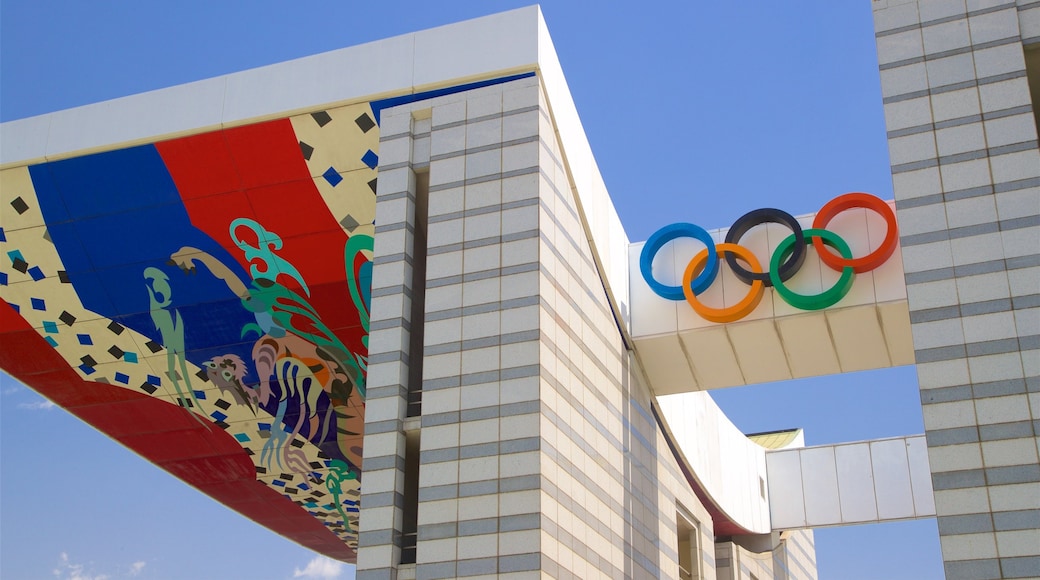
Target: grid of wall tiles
<point x="795" y="556"/>
<point x="538" y="449"/>
<point x="478" y="474"/>
<point x="966" y="173"/>
<point x="381" y="527"/>
<point x="610" y="485"/>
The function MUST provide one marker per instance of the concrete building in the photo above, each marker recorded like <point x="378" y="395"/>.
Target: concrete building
<point x="419" y="339"/>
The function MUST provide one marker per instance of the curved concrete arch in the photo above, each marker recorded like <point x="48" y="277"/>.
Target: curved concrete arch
<point x="729" y="467"/>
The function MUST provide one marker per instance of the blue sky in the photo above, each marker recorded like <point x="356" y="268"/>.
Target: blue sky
<point x="695" y="111"/>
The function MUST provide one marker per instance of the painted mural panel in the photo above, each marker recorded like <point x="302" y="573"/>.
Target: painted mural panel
<point x="205" y="301"/>
<point x="226" y="274"/>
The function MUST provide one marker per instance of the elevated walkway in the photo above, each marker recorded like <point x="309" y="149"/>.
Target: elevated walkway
<point x="850" y="483"/>
<point x="869" y="328"/>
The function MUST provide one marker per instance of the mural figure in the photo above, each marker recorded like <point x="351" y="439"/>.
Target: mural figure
<point x="228" y="372"/>
<point x="300" y="364"/>
<point x="304" y="372"/>
<point x="340" y="472"/>
<point x="171" y="326"/>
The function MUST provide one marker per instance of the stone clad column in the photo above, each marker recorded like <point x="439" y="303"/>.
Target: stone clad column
<point x="966" y="174"/>
<point x="383" y="481"/>
<point x="536" y="451"/>
<point x="479" y="462"/>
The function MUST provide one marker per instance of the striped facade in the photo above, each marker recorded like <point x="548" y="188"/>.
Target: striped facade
<point x="962" y="136"/>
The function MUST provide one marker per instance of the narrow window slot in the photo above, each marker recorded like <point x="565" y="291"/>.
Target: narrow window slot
<point x="1033" y="78"/>
<point x="415" y="343"/>
<point x="410" y="510"/>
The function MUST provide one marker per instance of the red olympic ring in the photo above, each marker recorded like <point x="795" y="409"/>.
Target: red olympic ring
<point x="849" y="201"/>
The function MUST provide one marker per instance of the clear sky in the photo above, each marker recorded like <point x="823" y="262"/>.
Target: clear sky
<point x="696" y="111"/>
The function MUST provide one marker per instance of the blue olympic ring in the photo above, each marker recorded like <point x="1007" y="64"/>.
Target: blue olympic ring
<point x="662" y="237"/>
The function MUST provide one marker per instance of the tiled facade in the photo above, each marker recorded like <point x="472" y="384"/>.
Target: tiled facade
<point x="538" y="448"/>
<point x="795" y="557"/>
<point x="966" y="172"/>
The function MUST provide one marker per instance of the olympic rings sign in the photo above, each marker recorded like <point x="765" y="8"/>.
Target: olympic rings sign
<point x="783" y="264"/>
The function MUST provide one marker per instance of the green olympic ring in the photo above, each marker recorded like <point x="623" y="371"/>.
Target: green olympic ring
<point x="824" y="299"/>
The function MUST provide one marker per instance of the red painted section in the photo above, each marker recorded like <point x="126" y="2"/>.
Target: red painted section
<point x="258" y="172"/>
<point x="214" y="171"/>
<point x="202" y="455"/>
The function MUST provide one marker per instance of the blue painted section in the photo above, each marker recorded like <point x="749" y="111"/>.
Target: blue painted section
<point x="332" y="176"/>
<point x="113" y="214"/>
<point x="378" y="106"/>
<point x="370" y="159"/>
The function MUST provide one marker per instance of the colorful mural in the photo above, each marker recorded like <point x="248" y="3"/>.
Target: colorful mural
<point x="226" y="273"/>
<point x="205" y="301"/>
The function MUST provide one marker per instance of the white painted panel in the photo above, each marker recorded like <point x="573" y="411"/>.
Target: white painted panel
<point x="24" y="139"/>
<point x="820" y="478"/>
<point x="723" y="460"/>
<point x="713" y="357"/>
<point x="786" y="505"/>
<point x="806" y="281"/>
<point x="765" y="239"/>
<point x="137" y="119"/>
<point x="892" y="479"/>
<point x="855" y="483"/>
<point x="757" y="241"/>
<point x="499" y="41"/>
<point x="759" y="351"/>
<point x="665" y="365"/>
<point x="889" y="283"/>
<point x="760" y="512"/>
<point x="651" y="314"/>
<point x="858" y="338"/>
<point x="920" y="476"/>
<point x="619" y="271"/>
<point x="807" y="342"/>
<point x="339" y="76"/>
<point x="714" y="296"/>
<point x="895" y="322"/>
<point x="851" y="483"/>
<point x="683" y="250"/>
<point x="852" y="226"/>
<point x="505" y="42"/>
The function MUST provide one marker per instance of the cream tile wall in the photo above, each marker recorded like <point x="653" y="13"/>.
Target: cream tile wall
<point x="966" y="173"/>
<point x="539" y="452"/>
<point x="794" y="558"/>
<point x="738" y="563"/>
<point x="610" y="482"/>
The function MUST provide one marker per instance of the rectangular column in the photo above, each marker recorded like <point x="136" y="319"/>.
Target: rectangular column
<point x="966" y="173"/>
<point x="479" y="505"/>
<point x="382" y="521"/>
